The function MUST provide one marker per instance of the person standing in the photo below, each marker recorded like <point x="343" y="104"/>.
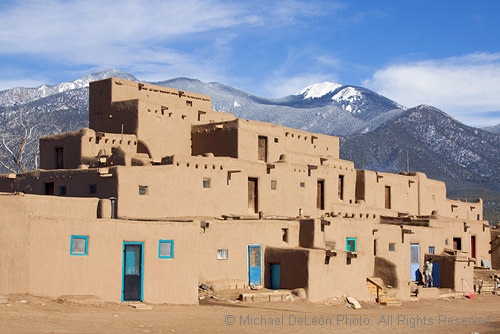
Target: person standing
<point x="428" y="273"/>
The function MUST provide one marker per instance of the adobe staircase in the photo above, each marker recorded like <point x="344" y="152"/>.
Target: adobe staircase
<point x="374" y="283"/>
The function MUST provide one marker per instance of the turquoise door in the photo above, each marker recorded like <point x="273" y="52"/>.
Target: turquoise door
<point x="436" y="275"/>
<point x="132" y="271"/>
<point x="254" y="265"/>
<point x="275" y="276"/>
<point x="415" y="263"/>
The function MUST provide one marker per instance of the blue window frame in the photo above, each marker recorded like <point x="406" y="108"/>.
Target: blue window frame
<point x="79" y="245"/>
<point x="431" y="249"/>
<point x="350" y="244"/>
<point x="166" y="249"/>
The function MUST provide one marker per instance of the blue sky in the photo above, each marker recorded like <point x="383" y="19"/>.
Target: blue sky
<point x="443" y="53"/>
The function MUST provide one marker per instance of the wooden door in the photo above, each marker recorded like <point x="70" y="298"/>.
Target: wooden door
<point x="387" y="197"/>
<point x="262" y="148"/>
<point x="253" y="200"/>
<point x="473" y="247"/>
<point x="320" y="196"/>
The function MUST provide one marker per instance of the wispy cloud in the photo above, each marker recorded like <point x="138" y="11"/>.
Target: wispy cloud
<point x="466" y="87"/>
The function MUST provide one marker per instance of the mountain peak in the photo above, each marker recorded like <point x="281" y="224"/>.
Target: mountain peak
<point x="318" y="90"/>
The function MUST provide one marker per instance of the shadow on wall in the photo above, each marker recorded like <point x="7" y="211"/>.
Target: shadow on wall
<point x="386" y="270"/>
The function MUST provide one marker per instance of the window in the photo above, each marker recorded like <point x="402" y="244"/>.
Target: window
<point x="431" y="249"/>
<point x="284" y="234"/>
<point x="392" y="247"/>
<point x="262" y="148"/>
<point x="275" y="140"/>
<point x="62" y="191"/>
<point x="457" y="243"/>
<point x="206" y="183"/>
<point x="273" y="184"/>
<point x="93" y="188"/>
<point x="374" y="247"/>
<point x="351" y="244"/>
<point x="79" y="245"/>
<point x="189" y="103"/>
<point x="59" y="157"/>
<point x="143" y="190"/>
<point x="341" y="187"/>
<point x="166" y="249"/>
<point x="387" y="197"/>
<point x="49" y="188"/>
<point x="222" y="254"/>
<point x="302" y="184"/>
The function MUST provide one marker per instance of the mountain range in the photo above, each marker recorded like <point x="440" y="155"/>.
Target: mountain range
<point x="376" y="132"/>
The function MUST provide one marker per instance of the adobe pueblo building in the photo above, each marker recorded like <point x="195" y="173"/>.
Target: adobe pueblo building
<point x="162" y="193"/>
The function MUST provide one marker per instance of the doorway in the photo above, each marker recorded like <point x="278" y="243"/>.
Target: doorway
<point x="275" y="276"/>
<point x="415" y="275"/>
<point x="132" y="271"/>
<point x="253" y="195"/>
<point x="254" y="265"/>
<point x="320" y="195"/>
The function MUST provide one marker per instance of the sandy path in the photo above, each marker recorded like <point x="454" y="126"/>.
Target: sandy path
<point x="41" y="315"/>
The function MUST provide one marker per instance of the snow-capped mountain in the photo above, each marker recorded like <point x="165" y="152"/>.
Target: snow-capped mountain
<point x="21" y="95"/>
<point x="493" y="129"/>
<point x="376" y="131"/>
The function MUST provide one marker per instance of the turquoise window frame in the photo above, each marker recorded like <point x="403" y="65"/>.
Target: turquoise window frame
<point x="347" y="244"/>
<point x="86" y="238"/>
<point x="171" y="242"/>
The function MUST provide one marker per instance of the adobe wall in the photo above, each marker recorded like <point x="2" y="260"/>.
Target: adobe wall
<point x="412" y="194"/>
<point x="236" y="236"/>
<point x="83" y="147"/>
<point x="240" y="139"/>
<point x="172" y="188"/>
<point x="76" y="182"/>
<point x="495" y="248"/>
<point x="394" y="266"/>
<point x="44" y="264"/>
<point x="160" y="117"/>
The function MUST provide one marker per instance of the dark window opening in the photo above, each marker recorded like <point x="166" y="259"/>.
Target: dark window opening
<point x="189" y="103"/>
<point x="59" y="157"/>
<point x="392" y="247"/>
<point x="341" y="187"/>
<point x="374" y="247"/>
<point x="206" y="183"/>
<point x="93" y="188"/>
<point x="273" y="184"/>
<point x="284" y="234"/>
<point x="49" y="188"/>
<point x="143" y="190"/>
<point x="457" y="243"/>
<point x="62" y="191"/>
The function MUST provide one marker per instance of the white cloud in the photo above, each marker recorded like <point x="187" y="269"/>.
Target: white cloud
<point x="460" y="86"/>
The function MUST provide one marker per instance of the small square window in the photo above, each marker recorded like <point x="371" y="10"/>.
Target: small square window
<point x="431" y="249"/>
<point x="189" y="103"/>
<point x="79" y="245"/>
<point x="62" y="191"/>
<point x="392" y="247"/>
<point x="166" y="249"/>
<point x="273" y="184"/>
<point x="275" y="140"/>
<point x="302" y="184"/>
<point x="222" y="254"/>
<point x="351" y="244"/>
<point x="143" y="190"/>
<point x="206" y="183"/>
<point x="93" y="188"/>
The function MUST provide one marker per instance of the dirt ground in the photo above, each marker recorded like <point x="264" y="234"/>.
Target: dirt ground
<point x="30" y="314"/>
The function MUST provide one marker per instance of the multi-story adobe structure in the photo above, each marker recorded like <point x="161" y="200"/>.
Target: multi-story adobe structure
<point x="162" y="193"/>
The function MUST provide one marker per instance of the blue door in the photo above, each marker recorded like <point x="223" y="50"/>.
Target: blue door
<point x="275" y="276"/>
<point x="132" y="271"/>
<point x="436" y="275"/>
<point x="415" y="263"/>
<point x="254" y="265"/>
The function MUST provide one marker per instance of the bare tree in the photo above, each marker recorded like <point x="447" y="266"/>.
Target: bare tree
<point x="19" y="147"/>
